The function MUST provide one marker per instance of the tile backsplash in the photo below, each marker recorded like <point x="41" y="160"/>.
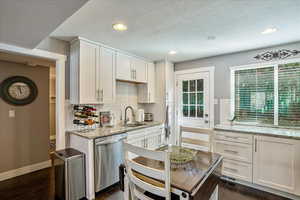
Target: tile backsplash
<point x="224" y="111"/>
<point x="126" y="95"/>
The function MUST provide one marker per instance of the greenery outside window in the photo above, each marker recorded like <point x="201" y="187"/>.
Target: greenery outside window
<point x="267" y="95"/>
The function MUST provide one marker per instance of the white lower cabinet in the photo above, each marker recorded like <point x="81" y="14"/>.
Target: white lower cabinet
<point x="237" y="152"/>
<point x="238" y="170"/>
<point x="276" y="163"/>
<point x="234" y="150"/>
<point x="263" y="160"/>
<point x="150" y="138"/>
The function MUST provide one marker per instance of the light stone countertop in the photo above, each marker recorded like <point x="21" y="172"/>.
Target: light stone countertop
<point x="109" y="131"/>
<point x="268" y="131"/>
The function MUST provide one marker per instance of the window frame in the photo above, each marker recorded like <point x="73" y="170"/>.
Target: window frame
<point x="274" y="64"/>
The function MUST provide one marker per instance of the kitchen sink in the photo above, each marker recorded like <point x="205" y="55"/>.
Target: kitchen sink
<point x="135" y="124"/>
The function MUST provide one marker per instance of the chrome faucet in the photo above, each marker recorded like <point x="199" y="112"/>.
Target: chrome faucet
<point x="132" y="112"/>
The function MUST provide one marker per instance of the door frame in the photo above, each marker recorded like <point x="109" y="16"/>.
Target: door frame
<point x="60" y="62"/>
<point x="211" y="71"/>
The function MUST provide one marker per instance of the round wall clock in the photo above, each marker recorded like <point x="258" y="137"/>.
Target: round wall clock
<point x="18" y="90"/>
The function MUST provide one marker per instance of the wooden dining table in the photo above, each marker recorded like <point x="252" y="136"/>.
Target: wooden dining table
<point x="195" y="180"/>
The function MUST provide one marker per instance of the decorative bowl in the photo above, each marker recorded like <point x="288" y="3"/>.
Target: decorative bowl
<point x="181" y="155"/>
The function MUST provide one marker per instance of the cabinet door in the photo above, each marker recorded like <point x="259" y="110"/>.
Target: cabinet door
<point x="89" y="73"/>
<point x="151" y="82"/>
<point x="139" y="68"/>
<point x="124" y="67"/>
<point x="107" y="79"/>
<point x="169" y="84"/>
<point x="274" y="163"/>
<point x="146" y="92"/>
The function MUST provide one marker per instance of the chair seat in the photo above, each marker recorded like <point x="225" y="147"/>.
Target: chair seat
<point x="153" y="196"/>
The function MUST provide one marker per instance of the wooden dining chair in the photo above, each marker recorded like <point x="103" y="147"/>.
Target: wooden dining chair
<point x="196" y="138"/>
<point x="138" y="174"/>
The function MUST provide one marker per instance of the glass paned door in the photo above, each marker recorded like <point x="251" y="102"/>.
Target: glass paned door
<point x="193" y="100"/>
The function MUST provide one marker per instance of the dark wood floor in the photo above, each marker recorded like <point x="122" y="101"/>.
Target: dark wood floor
<point x="40" y="186"/>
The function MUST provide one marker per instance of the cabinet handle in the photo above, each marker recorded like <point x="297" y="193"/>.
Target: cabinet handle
<point x="98" y="94"/>
<point x="231" y="151"/>
<point x="255" y="145"/>
<point x="102" y="95"/>
<point x="134" y="74"/>
<point x="232" y="137"/>
<point x="231" y="169"/>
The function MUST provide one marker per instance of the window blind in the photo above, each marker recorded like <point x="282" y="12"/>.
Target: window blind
<point x="254" y="95"/>
<point x="289" y="94"/>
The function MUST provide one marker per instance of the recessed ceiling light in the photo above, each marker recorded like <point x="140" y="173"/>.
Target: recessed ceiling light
<point x="120" y="27"/>
<point x="269" y="30"/>
<point x="172" y="52"/>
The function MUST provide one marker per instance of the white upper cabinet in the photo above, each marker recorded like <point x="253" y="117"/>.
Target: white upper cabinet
<point x="94" y="69"/>
<point x="92" y="73"/>
<point x="276" y="163"/>
<point x="131" y="69"/>
<point x="123" y="67"/>
<point x="146" y="92"/>
<point x="139" y="70"/>
<point x="107" y="79"/>
<point x="84" y="77"/>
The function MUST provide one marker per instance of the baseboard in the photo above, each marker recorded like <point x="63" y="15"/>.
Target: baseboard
<point x="263" y="188"/>
<point x="24" y="170"/>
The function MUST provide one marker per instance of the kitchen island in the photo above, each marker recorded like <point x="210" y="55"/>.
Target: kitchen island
<point x="103" y="150"/>
<point x="197" y="180"/>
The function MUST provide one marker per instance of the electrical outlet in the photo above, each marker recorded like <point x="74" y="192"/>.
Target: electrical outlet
<point x="11" y="113"/>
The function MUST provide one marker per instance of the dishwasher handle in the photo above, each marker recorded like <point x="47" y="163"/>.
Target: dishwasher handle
<point x="111" y="141"/>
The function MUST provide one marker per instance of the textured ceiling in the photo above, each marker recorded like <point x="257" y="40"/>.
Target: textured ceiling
<point x="26" y="22"/>
<point x="158" y="26"/>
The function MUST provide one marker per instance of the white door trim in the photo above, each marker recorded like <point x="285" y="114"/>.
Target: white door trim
<point x="60" y="84"/>
<point x="211" y="71"/>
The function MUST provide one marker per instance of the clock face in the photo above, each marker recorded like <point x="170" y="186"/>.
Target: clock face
<point x="18" y="90"/>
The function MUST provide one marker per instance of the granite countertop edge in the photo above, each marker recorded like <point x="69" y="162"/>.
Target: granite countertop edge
<point x="100" y="132"/>
<point x="267" y="131"/>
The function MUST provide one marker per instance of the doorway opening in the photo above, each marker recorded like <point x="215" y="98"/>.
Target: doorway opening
<point x="28" y="128"/>
<point x="52" y="107"/>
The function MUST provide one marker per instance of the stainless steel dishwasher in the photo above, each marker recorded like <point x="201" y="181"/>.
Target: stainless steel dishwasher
<point x="108" y="157"/>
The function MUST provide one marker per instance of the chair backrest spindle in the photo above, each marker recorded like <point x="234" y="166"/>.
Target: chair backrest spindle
<point x="138" y="173"/>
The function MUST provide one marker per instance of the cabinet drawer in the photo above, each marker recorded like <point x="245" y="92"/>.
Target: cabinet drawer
<point x="238" y="170"/>
<point x="234" y="151"/>
<point x="234" y="137"/>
